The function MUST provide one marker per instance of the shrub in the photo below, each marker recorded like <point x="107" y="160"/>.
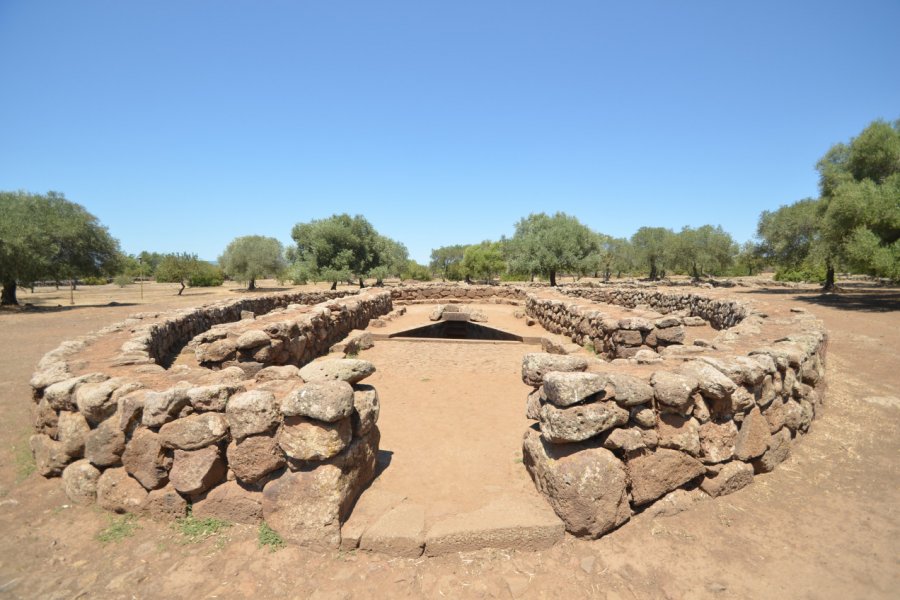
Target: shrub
<point x="123" y="280"/>
<point x="93" y="281"/>
<point x="207" y="275"/>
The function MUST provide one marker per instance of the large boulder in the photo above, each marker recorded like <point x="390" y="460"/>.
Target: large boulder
<point x="195" y="471"/>
<point x="679" y="433"/>
<point x="366" y="408"/>
<point x="95" y="400"/>
<point x="80" y="481"/>
<point x="717" y="441"/>
<point x="307" y="507"/>
<point x="713" y="384"/>
<point x="194" y="431"/>
<point x="229" y="502"/>
<point x="254" y="457"/>
<point x="251" y="413"/>
<point x="566" y="389"/>
<point x="118" y="492"/>
<point x="213" y="397"/>
<point x="733" y="476"/>
<point x="104" y="445"/>
<point x="580" y="422"/>
<point x="49" y="455"/>
<point x="146" y="460"/>
<point x="674" y="390"/>
<point x="307" y="439"/>
<point x="536" y="365"/>
<point x="72" y="430"/>
<point x="165" y="504"/>
<point x="753" y="437"/>
<point x="327" y="401"/>
<point x="587" y="488"/>
<point x="627" y="390"/>
<point x="351" y="370"/>
<point x="655" y="474"/>
<point x="160" y="407"/>
<point x="779" y="450"/>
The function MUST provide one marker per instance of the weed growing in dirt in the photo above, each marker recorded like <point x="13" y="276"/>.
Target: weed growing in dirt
<point x="269" y="537"/>
<point x="25" y="464"/>
<point x="194" y="530"/>
<point x="119" y="528"/>
<point x="353" y="354"/>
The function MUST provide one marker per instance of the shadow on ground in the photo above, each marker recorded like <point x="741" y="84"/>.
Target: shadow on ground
<point x="848" y="299"/>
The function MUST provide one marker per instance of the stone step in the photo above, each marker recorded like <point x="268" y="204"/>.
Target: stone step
<point x="388" y="523"/>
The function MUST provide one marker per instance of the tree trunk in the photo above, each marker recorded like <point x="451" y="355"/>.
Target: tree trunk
<point x="654" y="274"/>
<point x="552" y="278"/>
<point x="829" y="278"/>
<point x="362" y="284"/>
<point x="252" y="285"/>
<point x="8" y="295"/>
<point x="182" y="287"/>
<point x="334" y="285"/>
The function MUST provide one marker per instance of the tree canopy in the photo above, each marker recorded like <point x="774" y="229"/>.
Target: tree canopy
<point x="252" y="257"/>
<point x="855" y="222"/>
<point x="49" y="237"/>
<point x="548" y="245"/>
<point x="653" y="247"/>
<point x="185" y="268"/>
<point x="446" y="261"/>
<point x="483" y="261"/>
<point x="341" y="247"/>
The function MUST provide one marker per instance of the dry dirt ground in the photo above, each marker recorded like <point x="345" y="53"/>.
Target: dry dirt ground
<point x="825" y="524"/>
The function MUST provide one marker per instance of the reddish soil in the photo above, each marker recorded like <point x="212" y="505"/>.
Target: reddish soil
<point x="824" y="525"/>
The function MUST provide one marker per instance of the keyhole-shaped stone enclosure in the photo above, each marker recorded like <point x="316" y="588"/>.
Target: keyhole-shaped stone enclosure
<point x="225" y="407"/>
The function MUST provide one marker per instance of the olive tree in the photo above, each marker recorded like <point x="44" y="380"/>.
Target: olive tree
<point x="548" y="245"/>
<point x="252" y="257"/>
<point x="49" y="237"/>
<point x="339" y="248"/>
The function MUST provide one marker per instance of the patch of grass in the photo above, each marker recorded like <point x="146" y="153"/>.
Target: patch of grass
<point x="194" y="530"/>
<point x="269" y="537"/>
<point x="118" y="529"/>
<point x="352" y="354"/>
<point x="25" y="464"/>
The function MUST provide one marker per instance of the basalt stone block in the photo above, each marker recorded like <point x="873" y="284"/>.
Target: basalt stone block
<point x="580" y="422"/>
<point x="655" y="474"/>
<point x="587" y="488"/>
<point x="327" y="401"/>
<point x="537" y="364"/>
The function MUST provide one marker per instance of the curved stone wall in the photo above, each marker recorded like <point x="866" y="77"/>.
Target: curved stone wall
<point x="612" y="439"/>
<point x="247" y="437"/>
<point x="209" y="406"/>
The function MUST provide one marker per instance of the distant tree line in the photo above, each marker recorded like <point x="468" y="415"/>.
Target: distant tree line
<point x="854" y="225"/>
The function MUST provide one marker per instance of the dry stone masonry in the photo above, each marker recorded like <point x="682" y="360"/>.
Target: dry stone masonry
<point x="230" y="408"/>
<point x="256" y="430"/>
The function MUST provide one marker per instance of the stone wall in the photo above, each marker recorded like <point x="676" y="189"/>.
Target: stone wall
<point x="453" y="292"/>
<point x="258" y="437"/>
<point x="609" y="443"/>
<point x="718" y="313"/>
<point x="612" y="337"/>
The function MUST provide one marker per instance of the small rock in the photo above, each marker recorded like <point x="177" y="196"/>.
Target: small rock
<point x="254" y="457"/>
<point x="105" y="444"/>
<point x="165" y="504"/>
<point x="80" y="480"/>
<point x="733" y="476"/>
<point x="195" y="471"/>
<point x="537" y="364"/>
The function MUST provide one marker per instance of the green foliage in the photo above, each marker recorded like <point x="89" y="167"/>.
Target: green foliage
<point x="49" y="237"/>
<point x="446" y="262"/>
<point x="187" y="269"/>
<point x="207" y="275"/>
<point x="24" y="458"/>
<point x="654" y="247"/>
<point x="483" y="261"/>
<point x="548" y="245"/>
<point x="93" y="281"/>
<point x="414" y="270"/>
<point x="269" y="538"/>
<point x="252" y="257"/>
<point x="342" y="248"/>
<point x="814" y="272"/>
<point x="855" y="222"/>
<point x="123" y="280"/>
<point x="119" y="528"/>
<point x="195" y="530"/>
<point x="705" y="250"/>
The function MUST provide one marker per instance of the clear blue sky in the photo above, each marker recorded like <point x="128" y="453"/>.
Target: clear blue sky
<point x="184" y="124"/>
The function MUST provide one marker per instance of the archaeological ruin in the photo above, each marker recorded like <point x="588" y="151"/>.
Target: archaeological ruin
<point x="257" y="409"/>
